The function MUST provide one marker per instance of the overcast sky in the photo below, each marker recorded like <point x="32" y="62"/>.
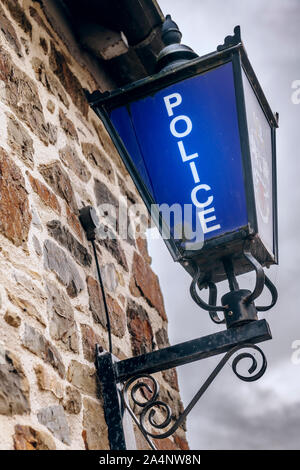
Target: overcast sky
<point x="233" y="414"/>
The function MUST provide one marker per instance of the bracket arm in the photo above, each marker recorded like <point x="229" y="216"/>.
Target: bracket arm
<point x="194" y="350"/>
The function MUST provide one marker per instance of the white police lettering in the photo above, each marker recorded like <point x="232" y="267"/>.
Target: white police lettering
<point x="180" y="127"/>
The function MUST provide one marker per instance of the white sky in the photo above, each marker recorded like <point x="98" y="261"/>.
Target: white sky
<point x="266" y="413"/>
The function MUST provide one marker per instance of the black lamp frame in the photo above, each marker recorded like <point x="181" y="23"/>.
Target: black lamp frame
<point x="209" y="258"/>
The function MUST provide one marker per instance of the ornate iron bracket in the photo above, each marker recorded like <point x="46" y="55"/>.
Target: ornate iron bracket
<point x="119" y="377"/>
<point x="121" y="380"/>
<point x="238" y="305"/>
<point x="151" y="405"/>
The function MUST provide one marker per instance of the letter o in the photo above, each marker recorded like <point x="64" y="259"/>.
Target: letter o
<point x="189" y="126"/>
<point x="195" y="200"/>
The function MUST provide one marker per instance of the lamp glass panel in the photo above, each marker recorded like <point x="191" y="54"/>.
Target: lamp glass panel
<point x="184" y="141"/>
<point x="260" y="140"/>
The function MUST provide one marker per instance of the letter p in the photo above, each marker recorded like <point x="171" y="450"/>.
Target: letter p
<point x="177" y="99"/>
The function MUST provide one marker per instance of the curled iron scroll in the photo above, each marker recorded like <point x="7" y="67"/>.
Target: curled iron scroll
<point x="262" y="280"/>
<point x="211" y="306"/>
<point x="150" y="406"/>
<point x="273" y="291"/>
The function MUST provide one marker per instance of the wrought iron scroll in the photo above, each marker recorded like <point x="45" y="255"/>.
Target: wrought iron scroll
<point x="151" y="404"/>
<point x="261" y="281"/>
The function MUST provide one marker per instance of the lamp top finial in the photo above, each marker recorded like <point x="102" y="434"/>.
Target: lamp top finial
<point x="170" y="32"/>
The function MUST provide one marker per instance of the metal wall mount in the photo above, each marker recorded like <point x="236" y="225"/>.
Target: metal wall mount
<point x="128" y="386"/>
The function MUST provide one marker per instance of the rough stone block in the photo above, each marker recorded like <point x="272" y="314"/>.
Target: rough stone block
<point x="20" y="141"/>
<point x="50" y="82"/>
<point x="39" y="345"/>
<point x="14" y="386"/>
<point x="27" y="307"/>
<point x="49" y="381"/>
<point x="60" y="182"/>
<point x="55" y="259"/>
<point x="89" y="341"/>
<point x="62" y="323"/>
<point x="9" y="33"/>
<point x="12" y="318"/>
<point x="60" y="67"/>
<point x="95" y="434"/>
<point x="64" y="237"/>
<point x="15" y="216"/>
<point x="83" y="377"/>
<point x="71" y="160"/>
<point x="67" y="125"/>
<point x="97" y="158"/>
<point x="72" y="402"/>
<point x="28" y="438"/>
<point x="147" y="283"/>
<point x="53" y="417"/>
<point x="139" y="326"/>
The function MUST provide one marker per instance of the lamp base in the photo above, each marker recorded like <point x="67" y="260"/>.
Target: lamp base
<point x="238" y="310"/>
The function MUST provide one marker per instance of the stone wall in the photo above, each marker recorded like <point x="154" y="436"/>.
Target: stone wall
<point x="56" y="157"/>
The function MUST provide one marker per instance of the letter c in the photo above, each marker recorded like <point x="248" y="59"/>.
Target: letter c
<point x="195" y="200"/>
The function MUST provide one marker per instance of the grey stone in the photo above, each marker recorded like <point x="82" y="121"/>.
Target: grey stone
<point x="37" y="343"/>
<point x="62" y="324"/>
<point x="37" y="245"/>
<point x="52" y="133"/>
<point x="71" y="160"/>
<point x="50" y="82"/>
<point x="20" y="141"/>
<point x="53" y="417"/>
<point x="72" y="402"/>
<point x="110" y="277"/>
<point x="64" y="237"/>
<point x="21" y="94"/>
<point x="162" y="339"/>
<point x="26" y="283"/>
<point x="113" y="245"/>
<point x="95" y="155"/>
<point x="67" y="125"/>
<point x="18" y="14"/>
<point x="59" y="65"/>
<point x="14" y="386"/>
<point x="36" y="221"/>
<point x="9" y="33"/>
<point x="55" y="259"/>
<point x="104" y="195"/>
<point x="60" y="182"/>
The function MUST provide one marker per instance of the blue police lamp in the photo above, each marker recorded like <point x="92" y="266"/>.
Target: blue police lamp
<point x="198" y="139"/>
